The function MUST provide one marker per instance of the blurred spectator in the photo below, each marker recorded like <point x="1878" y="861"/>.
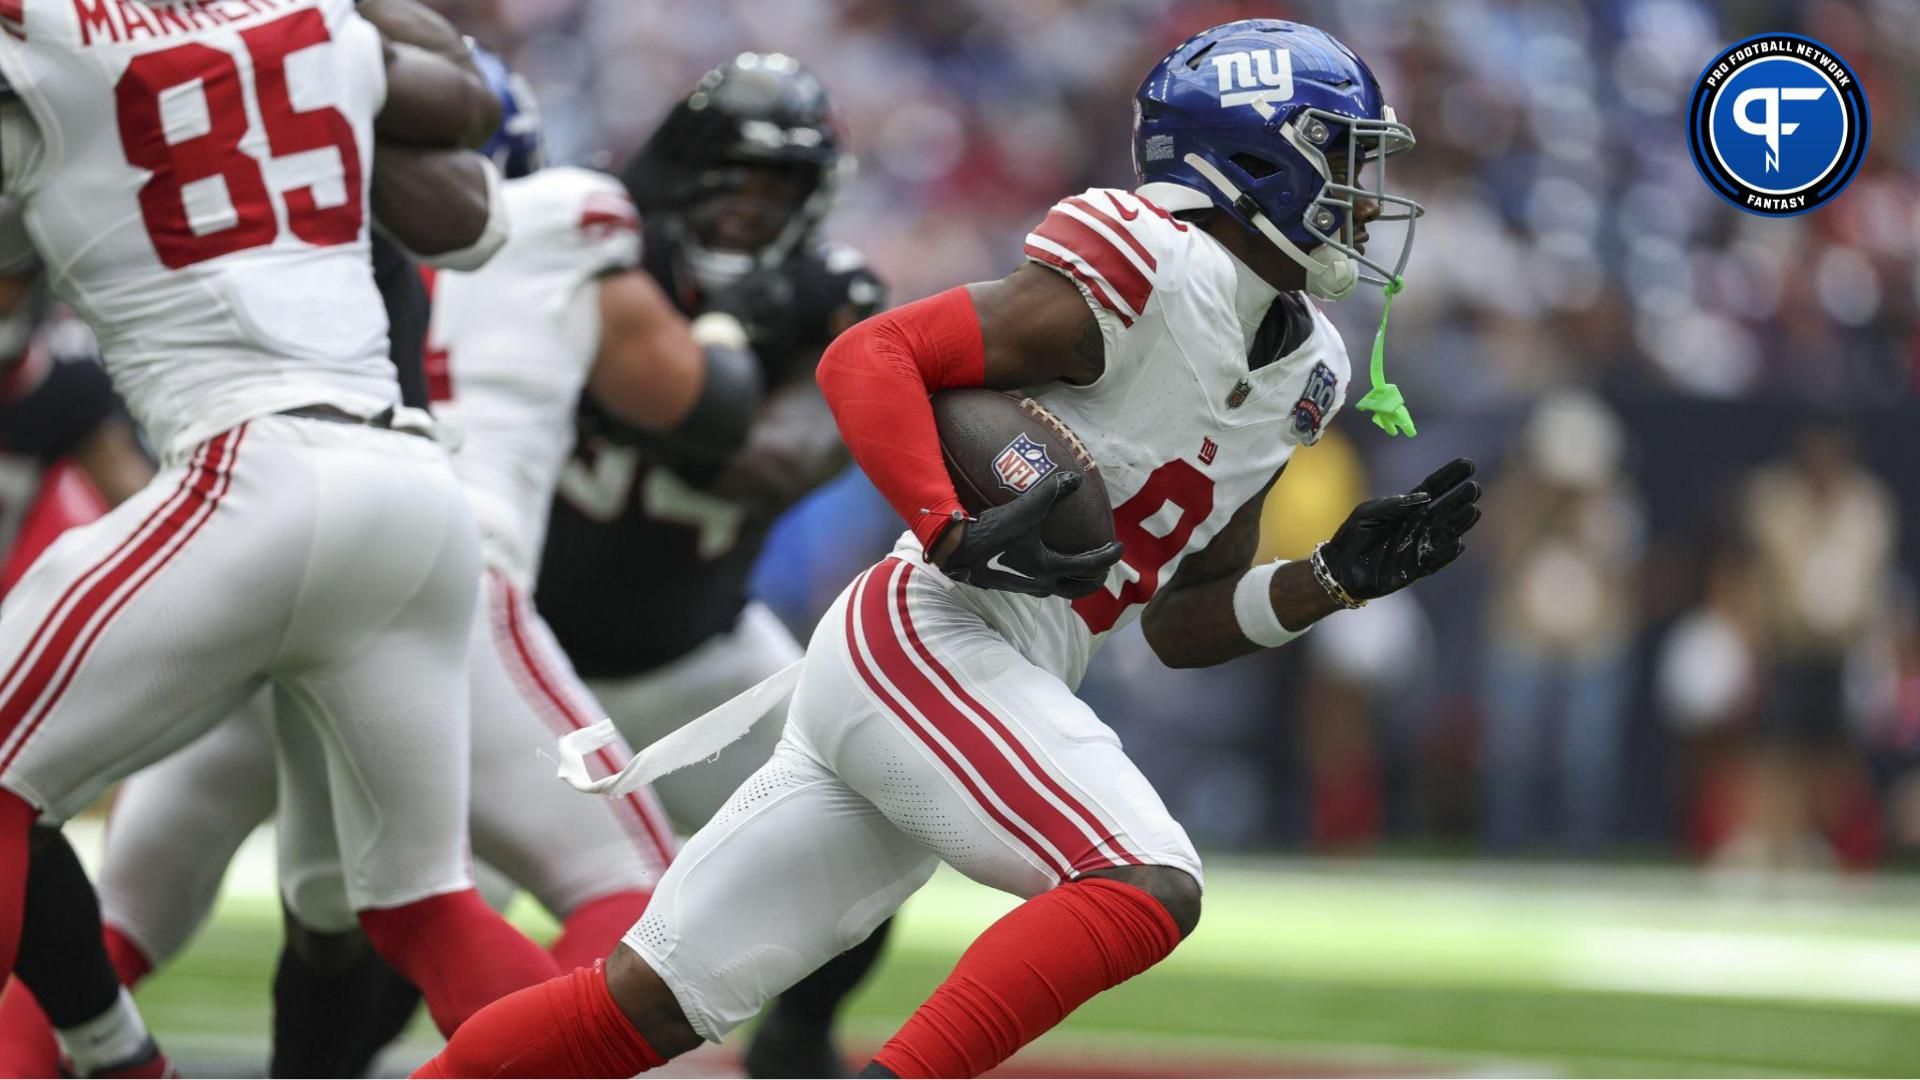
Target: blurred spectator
<point x="1886" y="680"/>
<point x="1567" y="533"/>
<point x="1363" y="708"/>
<point x="1709" y="686"/>
<point x="1568" y="237"/>
<point x="1823" y="529"/>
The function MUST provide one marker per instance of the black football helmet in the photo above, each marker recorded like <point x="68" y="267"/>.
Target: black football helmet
<point x="742" y="169"/>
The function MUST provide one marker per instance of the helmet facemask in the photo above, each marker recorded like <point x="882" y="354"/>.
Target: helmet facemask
<point x="719" y="265"/>
<point x="1335" y="265"/>
<point x="1329" y="218"/>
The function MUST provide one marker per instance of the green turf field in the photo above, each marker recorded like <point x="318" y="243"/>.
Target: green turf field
<point x="1305" y="967"/>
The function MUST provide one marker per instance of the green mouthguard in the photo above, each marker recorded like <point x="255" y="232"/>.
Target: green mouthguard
<point x="1384" y="403"/>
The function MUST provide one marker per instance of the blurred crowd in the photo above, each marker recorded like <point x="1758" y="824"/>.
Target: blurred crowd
<point x="1568" y="236"/>
<point x="1687" y="620"/>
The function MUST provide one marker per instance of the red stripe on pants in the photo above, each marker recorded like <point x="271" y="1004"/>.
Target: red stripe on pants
<point x="84" y="581"/>
<point x="80" y="628"/>
<point x="860" y="629"/>
<point x="1087" y="819"/>
<point x="1028" y="812"/>
<point x="656" y="833"/>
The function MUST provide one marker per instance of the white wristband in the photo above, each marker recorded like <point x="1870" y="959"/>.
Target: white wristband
<point x="1253" y="607"/>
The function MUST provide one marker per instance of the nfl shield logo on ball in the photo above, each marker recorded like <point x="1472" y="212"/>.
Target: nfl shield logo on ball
<point x="1314" y="405"/>
<point x="1022" y="464"/>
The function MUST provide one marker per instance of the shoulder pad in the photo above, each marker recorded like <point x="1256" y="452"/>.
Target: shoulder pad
<point x="851" y="280"/>
<point x="575" y="212"/>
<point x="1112" y="243"/>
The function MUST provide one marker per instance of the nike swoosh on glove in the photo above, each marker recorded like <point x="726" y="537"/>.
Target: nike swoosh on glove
<point x="1001" y="549"/>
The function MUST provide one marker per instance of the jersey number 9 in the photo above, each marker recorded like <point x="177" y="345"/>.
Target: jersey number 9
<point x="216" y="152"/>
<point x="1154" y="526"/>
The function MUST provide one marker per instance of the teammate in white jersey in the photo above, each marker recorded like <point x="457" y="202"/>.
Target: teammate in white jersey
<point x="197" y="180"/>
<point x="510" y="347"/>
<point x="935" y="717"/>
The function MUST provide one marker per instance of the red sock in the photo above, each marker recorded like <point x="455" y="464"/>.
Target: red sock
<point x="595" y="927"/>
<point x="458" y="951"/>
<point x="569" y="1026"/>
<point x="27" y="1043"/>
<point x="17" y="816"/>
<point x="1027" y="972"/>
<point x="129" y="962"/>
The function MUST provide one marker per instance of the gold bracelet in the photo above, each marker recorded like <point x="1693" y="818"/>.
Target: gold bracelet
<point x="1325" y="577"/>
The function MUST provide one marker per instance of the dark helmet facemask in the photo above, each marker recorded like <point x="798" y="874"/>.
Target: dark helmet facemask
<point x="758" y="109"/>
<point x="716" y="267"/>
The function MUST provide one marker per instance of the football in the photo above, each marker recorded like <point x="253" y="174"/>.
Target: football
<point x="998" y="446"/>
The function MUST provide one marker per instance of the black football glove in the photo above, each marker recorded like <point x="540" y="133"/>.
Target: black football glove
<point x="1387" y="544"/>
<point x="1001" y="549"/>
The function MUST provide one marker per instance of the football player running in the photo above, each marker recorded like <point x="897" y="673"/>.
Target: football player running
<point x="562" y="306"/>
<point x="1171" y="328"/>
<point x="644" y="579"/>
<point x="240" y="322"/>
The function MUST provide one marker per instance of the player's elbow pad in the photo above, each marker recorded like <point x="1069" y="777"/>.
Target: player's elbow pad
<point x="493" y="234"/>
<point x="716" y="427"/>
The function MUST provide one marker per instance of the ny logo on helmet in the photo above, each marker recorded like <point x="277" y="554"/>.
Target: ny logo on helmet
<point x="1247" y="78"/>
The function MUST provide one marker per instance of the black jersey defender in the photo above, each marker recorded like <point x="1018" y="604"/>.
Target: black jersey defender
<point x="645" y="559"/>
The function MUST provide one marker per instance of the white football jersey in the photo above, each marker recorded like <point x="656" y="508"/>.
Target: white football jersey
<point x="511" y="344"/>
<point x="1182" y="432"/>
<point x="194" y="175"/>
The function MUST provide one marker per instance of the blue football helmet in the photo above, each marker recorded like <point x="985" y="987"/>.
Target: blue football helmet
<point x="519" y="147"/>
<point x="1244" y="117"/>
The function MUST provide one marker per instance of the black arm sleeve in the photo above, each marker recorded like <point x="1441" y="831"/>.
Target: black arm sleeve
<point x="718" y="423"/>
<point x="711" y="432"/>
<point x="409" y="309"/>
<point x="52" y="406"/>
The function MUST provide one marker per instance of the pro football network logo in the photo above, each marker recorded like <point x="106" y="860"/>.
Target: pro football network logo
<point x="1022" y="464"/>
<point x="1323" y="389"/>
<point x="1778" y="124"/>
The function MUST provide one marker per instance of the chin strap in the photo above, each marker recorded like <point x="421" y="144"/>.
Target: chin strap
<point x="1383" y="402"/>
<point x="1330" y="276"/>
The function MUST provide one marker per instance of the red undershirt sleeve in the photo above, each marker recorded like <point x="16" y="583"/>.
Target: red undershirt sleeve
<point x="877" y="377"/>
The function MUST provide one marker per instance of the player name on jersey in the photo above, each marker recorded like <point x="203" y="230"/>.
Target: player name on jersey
<point x="131" y="20"/>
